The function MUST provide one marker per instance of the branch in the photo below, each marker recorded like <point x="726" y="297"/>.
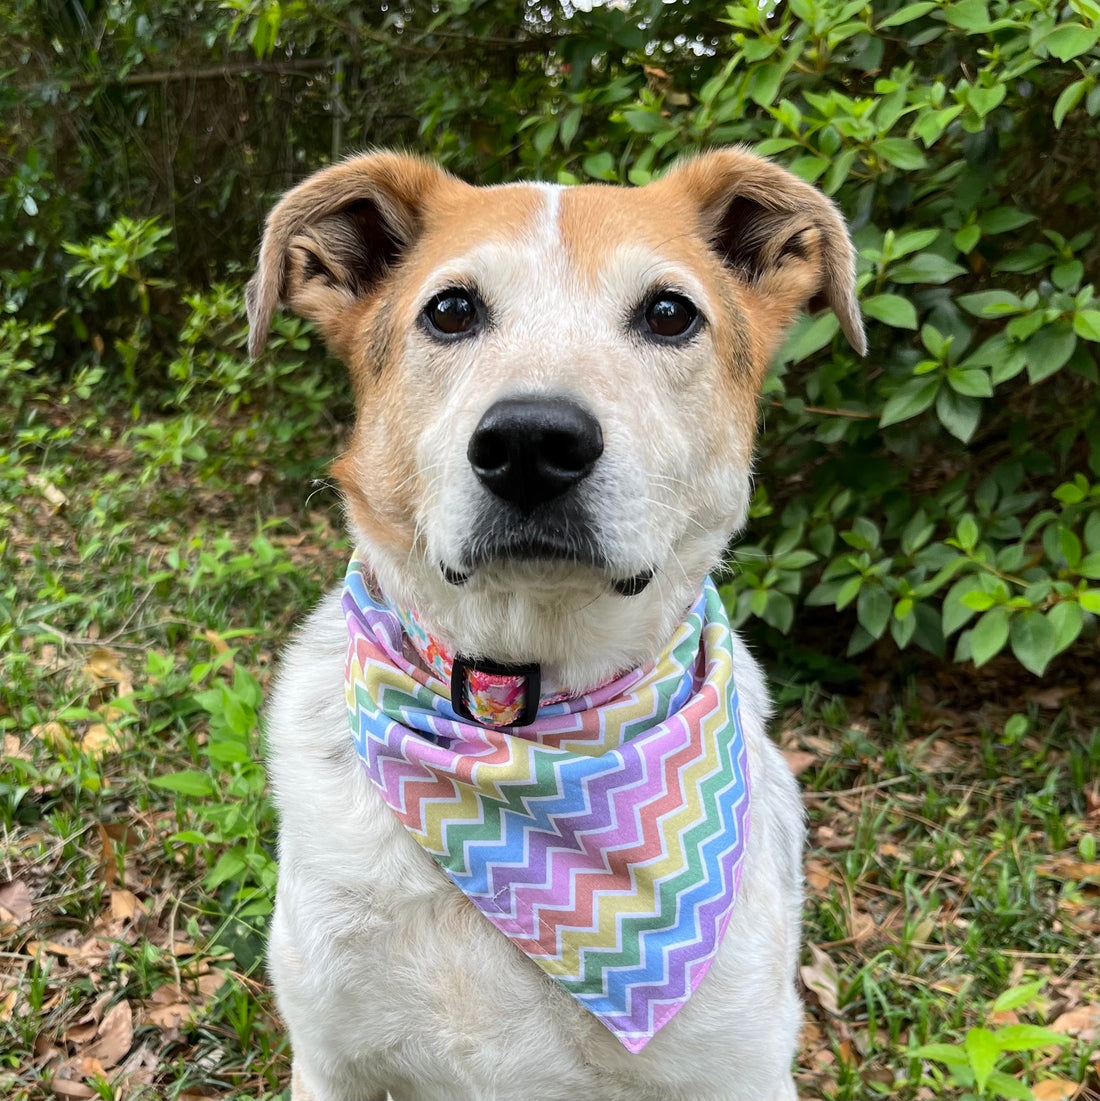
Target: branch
<point x="168" y="76"/>
<point x="830" y="412"/>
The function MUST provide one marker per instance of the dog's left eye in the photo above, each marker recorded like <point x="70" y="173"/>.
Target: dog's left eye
<point x="670" y="315"/>
<point x="451" y="312"/>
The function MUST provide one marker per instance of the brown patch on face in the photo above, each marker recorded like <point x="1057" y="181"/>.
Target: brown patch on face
<point x="762" y="242"/>
<point x="781" y="237"/>
<point x="599" y="222"/>
<point x="377" y="472"/>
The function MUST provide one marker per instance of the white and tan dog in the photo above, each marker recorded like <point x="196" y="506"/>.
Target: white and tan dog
<point x="557" y="398"/>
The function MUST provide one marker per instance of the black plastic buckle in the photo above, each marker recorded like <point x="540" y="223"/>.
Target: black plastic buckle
<point x="460" y="666"/>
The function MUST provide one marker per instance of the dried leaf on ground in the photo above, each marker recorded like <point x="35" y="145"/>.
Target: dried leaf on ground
<point x="1084" y="1021"/>
<point x="98" y="741"/>
<point x="105" y="665"/>
<point x="124" y="905"/>
<point x="68" y="1087"/>
<point x="1055" y="1089"/>
<point x="115" y="1036"/>
<point x="821" y="978"/>
<point x="16" y="902"/>
<point x="799" y="760"/>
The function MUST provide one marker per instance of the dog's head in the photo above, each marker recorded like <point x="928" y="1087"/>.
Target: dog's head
<point x="556" y="387"/>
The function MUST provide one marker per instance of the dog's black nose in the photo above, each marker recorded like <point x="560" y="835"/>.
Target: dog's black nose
<point x="530" y="450"/>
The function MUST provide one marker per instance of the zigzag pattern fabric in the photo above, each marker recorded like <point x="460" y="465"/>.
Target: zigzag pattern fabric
<point x="606" y="839"/>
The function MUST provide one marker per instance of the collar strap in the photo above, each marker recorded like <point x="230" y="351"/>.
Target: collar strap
<point x="495" y="695"/>
<point x="485" y="692"/>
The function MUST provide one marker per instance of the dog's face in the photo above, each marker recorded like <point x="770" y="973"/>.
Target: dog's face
<point x="556" y="387"/>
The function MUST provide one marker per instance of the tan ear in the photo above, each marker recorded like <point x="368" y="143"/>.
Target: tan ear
<point x="330" y="240"/>
<point x="779" y="233"/>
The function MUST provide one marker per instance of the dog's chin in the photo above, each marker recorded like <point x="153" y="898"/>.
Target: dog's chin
<point x="549" y="569"/>
<point x="540" y="557"/>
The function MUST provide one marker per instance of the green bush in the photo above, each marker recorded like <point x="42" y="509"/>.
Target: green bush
<point x="941" y="494"/>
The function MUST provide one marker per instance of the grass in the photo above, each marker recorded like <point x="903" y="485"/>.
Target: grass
<point x="147" y="579"/>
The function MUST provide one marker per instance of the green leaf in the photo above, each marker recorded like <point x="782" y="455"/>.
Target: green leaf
<point x="967" y="532"/>
<point x="795" y="560"/>
<point x="771" y="146"/>
<point x="979" y="600"/>
<point x="926" y="267"/>
<point x="544" y="136"/>
<point x="1049" y="349"/>
<point x="971" y="381"/>
<point x="848" y="591"/>
<point x="1069" y="40"/>
<point x="600" y="166"/>
<point x="989" y="635"/>
<point x="186" y="783"/>
<point x="808" y="168"/>
<point x="907" y="14"/>
<point x="912" y="241"/>
<point x="1027" y="1038"/>
<point x="902" y="629"/>
<point x="1028" y="259"/>
<point x="779" y="612"/>
<point x="764" y="83"/>
<point x="1067" y="619"/>
<point x="981" y="1051"/>
<point x="864" y="534"/>
<point x="1086" y="324"/>
<point x="1067" y="275"/>
<point x="900" y="152"/>
<point x="1005" y="1086"/>
<point x="1017" y="997"/>
<point x="891" y="309"/>
<point x="224" y="752"/>
<point x="1070" y="96"/>
<point x="970" y="15"/>
<point x="570" y="123"/>
<point x="189" y="837"/>
<point x="982" y="100"/>
<point x="951" y="1054"/>
<point x="1033" y="640"/>
<point x="645" y="122"/>
<point x="958" y="413"/>
<point x="955" y="611"/>
<point x="808" y="336"/>
<point x="229" y="866"/>
<point x="990" y="303"/>
<point x="873" y="609"/>
<point x="1001" y="219"/>
<point x="967" y="237"/>
<point x="913" y="398"/>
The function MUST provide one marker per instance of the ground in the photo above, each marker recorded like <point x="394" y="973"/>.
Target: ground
<point x="147" y="580"/>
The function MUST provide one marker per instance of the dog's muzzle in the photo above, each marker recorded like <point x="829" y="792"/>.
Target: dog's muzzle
<point x="530" y="450"/>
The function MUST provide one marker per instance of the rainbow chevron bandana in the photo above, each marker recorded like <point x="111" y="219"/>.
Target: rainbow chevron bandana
<point x="606" y="839"/>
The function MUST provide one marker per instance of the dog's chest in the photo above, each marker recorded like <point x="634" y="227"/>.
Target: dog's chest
<point x="391" y="976"/>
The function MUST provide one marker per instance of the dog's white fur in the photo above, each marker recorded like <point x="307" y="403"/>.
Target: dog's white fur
<point x="388" y="978"/>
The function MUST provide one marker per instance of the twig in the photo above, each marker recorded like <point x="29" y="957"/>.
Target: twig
<point x="830" y="412"/>
<point x="168" y="76"/>
<point x="861" y="790"/>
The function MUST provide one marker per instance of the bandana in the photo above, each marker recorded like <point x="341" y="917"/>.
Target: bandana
<point x="605" y="839"/>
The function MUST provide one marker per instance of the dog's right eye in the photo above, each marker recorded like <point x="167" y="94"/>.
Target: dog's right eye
<point x="670" y="315"/>
<point x="451" y="312"/>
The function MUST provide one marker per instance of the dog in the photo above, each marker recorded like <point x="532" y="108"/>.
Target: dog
<point x="556" y="392"/>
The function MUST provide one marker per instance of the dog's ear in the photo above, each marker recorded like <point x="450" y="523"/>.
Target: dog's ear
<point x="777" y="232"/>
<point x="330" y="240"/>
